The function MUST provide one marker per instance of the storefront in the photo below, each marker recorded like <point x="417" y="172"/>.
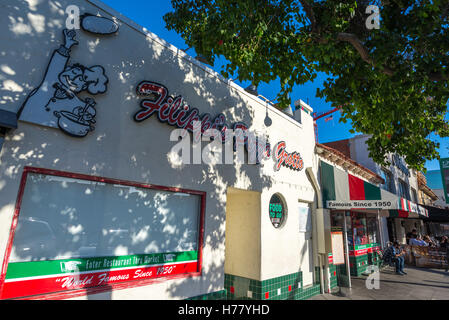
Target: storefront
<point x="407" y="217"/>
<point x="437" y="222"/>
<point x="112" y="187"/>
<point x="362" y="234"/>
<point x="358" y="208"/>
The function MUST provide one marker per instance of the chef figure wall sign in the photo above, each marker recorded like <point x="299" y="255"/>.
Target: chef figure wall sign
<point x="55" y="103"/>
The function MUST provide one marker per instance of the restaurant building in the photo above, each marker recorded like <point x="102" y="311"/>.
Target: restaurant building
<point x="354" y="207"/>
<point x="348" y="189"/>
<point x="112" y="186"/>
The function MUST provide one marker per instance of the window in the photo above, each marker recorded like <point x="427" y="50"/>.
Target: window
<point x="337" y="224"/>
<point x="79" y="231"/>
<point x="359" y="231"/>
<point x="373" y="232"/>
<point x="389" y="182"/>
<point x="403" y="189"/>
<point x="414" y="195"/>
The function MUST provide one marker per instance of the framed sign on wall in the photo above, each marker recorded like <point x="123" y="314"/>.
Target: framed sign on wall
<point x="305" y="218"/>
<point x="338" y="252"/>
<point x="73" y="232"/>
<point x="277" y="210"/>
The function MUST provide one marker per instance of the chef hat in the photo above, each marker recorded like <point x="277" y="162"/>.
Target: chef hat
<point x="96" y="79"/>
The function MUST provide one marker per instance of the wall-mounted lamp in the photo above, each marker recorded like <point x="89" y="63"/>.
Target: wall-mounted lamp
<point x="267" y="121"/>
<point x="252" y="88"/>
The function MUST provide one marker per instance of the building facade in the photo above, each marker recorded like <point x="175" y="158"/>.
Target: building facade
<point x="130" y="170"/>
<point x="398" y="180"/>
<point x="426" y="196"/>
<point x="113" y="186"/>
<point x="434" y="181"/>
<point x="344" y="183"/>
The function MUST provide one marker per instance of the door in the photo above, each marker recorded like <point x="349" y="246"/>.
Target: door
<point x="391" y="229"/>
<point x="338" y="223"/>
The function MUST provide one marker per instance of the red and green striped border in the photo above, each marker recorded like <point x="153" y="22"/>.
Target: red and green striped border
<point x="358" y="188"/>
<point x="39" y="277"/>
<point x="338" y="185"/>
<point x="26" y="288"/>
<point x="363" y="249"/>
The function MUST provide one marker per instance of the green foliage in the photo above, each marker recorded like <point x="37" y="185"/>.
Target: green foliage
<point x="391" y="82"/>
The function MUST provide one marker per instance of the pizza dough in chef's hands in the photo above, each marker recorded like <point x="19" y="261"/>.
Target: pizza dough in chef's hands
<point x="98" y="25"/>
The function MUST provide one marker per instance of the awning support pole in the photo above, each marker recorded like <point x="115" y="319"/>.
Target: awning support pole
<point x="345" y="229"/>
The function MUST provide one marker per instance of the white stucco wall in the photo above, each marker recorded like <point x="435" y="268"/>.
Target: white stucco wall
<point x="120" y="148"/>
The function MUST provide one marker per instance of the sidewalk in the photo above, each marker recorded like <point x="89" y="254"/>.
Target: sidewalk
<point x="418" y="284"/>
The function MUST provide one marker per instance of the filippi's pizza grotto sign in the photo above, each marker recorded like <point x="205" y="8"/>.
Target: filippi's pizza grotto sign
<point x="175" y="112"/>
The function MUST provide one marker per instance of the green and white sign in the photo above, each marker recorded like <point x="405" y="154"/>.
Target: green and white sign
<point x="277" y="210"/>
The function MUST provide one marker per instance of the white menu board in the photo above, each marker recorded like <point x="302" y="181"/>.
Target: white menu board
<point x="338" y="252"/>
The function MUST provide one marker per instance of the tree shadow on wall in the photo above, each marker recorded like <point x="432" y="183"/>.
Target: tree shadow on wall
<point x="120" y="148"/>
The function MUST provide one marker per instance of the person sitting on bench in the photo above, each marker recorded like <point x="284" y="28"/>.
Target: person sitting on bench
<point x="398" y="258"/>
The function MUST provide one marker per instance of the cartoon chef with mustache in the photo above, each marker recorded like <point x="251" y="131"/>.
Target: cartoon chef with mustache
<point x="57" y="93"/>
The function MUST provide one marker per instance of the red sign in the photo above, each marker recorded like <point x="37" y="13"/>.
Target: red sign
<point x="175" y="112"/>
<point x="27" y="287"/>
<point x="283" y="158"/>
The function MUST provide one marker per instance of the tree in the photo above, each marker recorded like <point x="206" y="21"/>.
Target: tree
<point x="390" y="81"/>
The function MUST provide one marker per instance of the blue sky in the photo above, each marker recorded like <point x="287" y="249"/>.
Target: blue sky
<point x="149" y="15"/>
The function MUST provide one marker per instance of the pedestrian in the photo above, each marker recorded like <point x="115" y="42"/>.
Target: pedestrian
<point x="429" y="242"/>
<point x="399" y="260"/>
<point x="410" y="235"/>
<point x="417" y="241"/>
<point x="444" y="245"/>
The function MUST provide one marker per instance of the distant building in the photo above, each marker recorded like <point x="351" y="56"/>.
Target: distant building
<point x="425" y="194"/>
<point x="435" y="183"/>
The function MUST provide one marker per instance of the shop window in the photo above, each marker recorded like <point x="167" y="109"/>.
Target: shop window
<point x="359" y="232"/>
<point x="82" y="232"/>
<point x="337" y="224"/>
<point x="372" y="230"/>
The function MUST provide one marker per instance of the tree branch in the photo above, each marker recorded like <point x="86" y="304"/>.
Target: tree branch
<point x="311" y="15"/>
<point x="363" y="52"/>
<point x="438" y="76"/>
<point x="445" y="12"/>
<point x="358" y="45"/>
